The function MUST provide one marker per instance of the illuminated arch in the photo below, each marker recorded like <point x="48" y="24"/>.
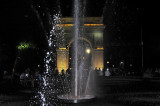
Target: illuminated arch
<point x="81" y="38"/>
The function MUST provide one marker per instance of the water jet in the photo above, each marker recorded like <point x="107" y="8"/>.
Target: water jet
<point x="79" y="88"/>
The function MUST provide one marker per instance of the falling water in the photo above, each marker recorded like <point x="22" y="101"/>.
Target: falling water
<point x="76" y="34"/>
<point x="80" y="85"/>
<point x="47" y="92"/>
<point x="51" y="87"/>
<point x="48" y="89"/>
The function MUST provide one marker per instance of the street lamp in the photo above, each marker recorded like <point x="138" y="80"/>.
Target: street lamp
<point x="88" y="51"/>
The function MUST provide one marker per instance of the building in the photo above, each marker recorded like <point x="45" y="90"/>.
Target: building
<point x="91" y="29"/>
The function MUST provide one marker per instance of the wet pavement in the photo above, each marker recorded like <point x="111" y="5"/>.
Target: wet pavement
<point x="110" y="91"/>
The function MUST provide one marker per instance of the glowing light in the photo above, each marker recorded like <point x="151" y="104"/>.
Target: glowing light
<point x="98" y="59"/>
<point x="88" y="51"/>
<point x="83" y="58"/>
<point x="62" y="48"/>
<point x="26" y="75"/>
<point x="24" y="45"/>
<point x="107" y="62"/>
<point x="64" y="24"/>
<point x="121" y="62"/>
<point x="84" y="25"/>
<point x="100" y="48"/>
<point x="62" y="60"/>
<point x="98" y="35"/>
<point x="38" y="65"/>
<point x="93" y="24"/>
<point x="48" y="87"/>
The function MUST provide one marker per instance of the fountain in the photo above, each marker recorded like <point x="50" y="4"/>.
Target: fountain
<point x="54" y="90"/>
<point x="79" y="91"/>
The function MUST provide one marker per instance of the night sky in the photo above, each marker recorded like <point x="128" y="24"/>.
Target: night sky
<point x="151" y="32"/>
<point x="19" y="22"/>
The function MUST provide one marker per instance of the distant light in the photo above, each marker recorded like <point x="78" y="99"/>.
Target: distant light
<point x="113" y="65"/>
<point x="39" y="6"/>
<point x="25" y="45"/>
<point x="62" y="48"/>
<point x="121" y="62"/>
<point x="130" y="65"/>
<point x="107" y="62"/>
<point x="38" y="65"/>
<point x="88" y="51"/>
<point x="27" y="75"/>
<point x="13" y="70"/>
<point x="84" y="25"/>
<point x="100" y="48"/>
<point x="98" y="35"/>
<point x="70" y="58"/>
<point x="64" y="24"/>
<point x="93" y="24"/>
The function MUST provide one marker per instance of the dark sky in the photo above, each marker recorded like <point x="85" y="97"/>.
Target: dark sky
<point x="93" y="7"/>
<point x="19" y="22"/>
<point x="151" y="33"/>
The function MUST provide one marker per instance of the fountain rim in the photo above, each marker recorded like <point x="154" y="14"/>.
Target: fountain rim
<point x="67" y="99"/>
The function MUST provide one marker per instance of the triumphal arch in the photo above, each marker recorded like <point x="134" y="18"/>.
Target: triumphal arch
<point x="92" y="34"/>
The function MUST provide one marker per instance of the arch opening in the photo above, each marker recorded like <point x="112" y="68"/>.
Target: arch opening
<point x="84" y="54"/>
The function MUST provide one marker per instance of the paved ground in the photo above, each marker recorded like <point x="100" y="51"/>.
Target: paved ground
<point x="110" y="91"/>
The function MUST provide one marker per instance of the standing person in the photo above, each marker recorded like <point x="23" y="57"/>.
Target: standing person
<point x="107" y="72"/>
<point x="96" y="70"/>
<point x="56" y="72"/>
<point x="39" y="79"/>
<point x="67" y="72"/>
<point x="63" y="74"/>
<point x="22" y="79"/>
<point x="100" y="72"/>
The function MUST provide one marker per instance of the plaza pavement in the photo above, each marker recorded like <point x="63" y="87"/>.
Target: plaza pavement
<point x="110" y="91"/>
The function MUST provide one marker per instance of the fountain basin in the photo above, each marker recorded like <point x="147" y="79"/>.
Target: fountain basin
<point x="79" y="99"/>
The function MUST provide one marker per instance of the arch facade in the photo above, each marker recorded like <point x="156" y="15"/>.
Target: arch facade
<point x="93" y="35"/>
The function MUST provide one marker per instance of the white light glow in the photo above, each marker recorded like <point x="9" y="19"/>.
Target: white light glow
<point x="88" y="51"/>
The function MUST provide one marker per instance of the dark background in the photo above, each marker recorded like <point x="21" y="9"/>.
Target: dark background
<point x="20" y="20"/>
